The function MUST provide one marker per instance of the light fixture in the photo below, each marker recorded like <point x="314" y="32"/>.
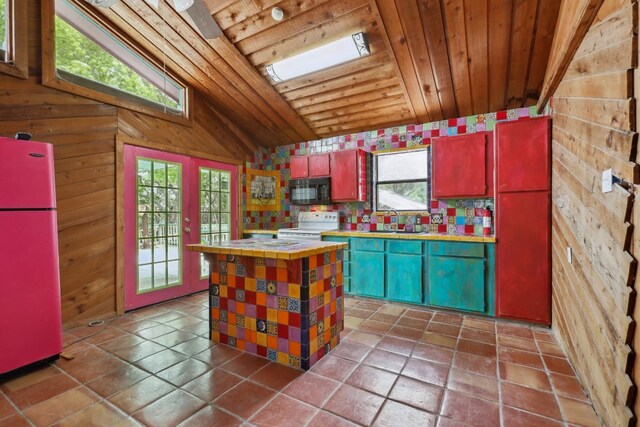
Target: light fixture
<point x="277" y="14"/>
<point x="325" y="56"/>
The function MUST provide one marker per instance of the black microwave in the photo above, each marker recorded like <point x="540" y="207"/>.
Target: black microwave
<point x="312" y="191"/>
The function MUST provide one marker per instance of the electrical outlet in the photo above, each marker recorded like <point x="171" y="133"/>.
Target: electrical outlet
<point x="569" y="254"/>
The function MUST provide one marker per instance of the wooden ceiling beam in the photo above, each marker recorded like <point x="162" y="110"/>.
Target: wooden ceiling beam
<point x="353" y="108"/>
<point x="455" y="28"/>
<point x="363" y="88"/>
<point x="364" y="126"/>
<point x="435" y="36"/>
<point x="360" y="19"/>
<point x="318" y="16"/>
<point x="349" y="80"/>
<point x="545" y="27"/>
<point x="201" y="74"/>
<point x="248" y="85"/>
<point x="225" y="65"/>
<point x="477" y="24"/>
<point x="284" y="116"/>
<point x="386" y="93"/>
<point x="523" y="37"/>
<point x="368" y="114"/>
<point x="391" y="29"/>
<point x="500" y="25"/>
<point x="574" y="20"/>
<point x="263" y="21"/>
<point x="410" y="18"/>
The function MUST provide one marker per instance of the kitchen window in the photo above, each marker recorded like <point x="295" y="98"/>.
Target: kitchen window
<point x="13" y="38"/>
<point x="86" y="53"/>
<point x="402" y="180"/>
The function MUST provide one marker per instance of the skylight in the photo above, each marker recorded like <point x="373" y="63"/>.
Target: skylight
<point x="325" y="56"/>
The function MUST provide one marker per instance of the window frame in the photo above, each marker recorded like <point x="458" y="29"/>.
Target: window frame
<point x="16" y="64"/>
<point x="376" y="181"/>
<point x="51" y="76"/>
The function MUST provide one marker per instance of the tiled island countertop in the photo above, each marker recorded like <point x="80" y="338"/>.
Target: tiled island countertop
<point x="279" y="299"/>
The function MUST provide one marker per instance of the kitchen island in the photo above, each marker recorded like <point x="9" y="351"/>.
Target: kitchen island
<point x="278" y="299"/>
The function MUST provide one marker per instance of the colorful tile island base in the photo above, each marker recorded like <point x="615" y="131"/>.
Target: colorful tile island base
<point x="289" y="311"/>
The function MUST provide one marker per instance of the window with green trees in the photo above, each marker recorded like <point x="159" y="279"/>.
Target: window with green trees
<point x="88" y="55"/>
<point x="402" y="180"/>
<point x="3" y="30"/>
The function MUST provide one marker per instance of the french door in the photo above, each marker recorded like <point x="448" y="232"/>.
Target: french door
<point x="171" y="201"/>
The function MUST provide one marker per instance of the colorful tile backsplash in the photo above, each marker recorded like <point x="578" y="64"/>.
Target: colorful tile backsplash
<point x="445" y="216"/>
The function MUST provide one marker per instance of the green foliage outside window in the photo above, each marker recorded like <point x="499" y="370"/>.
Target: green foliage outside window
<point x="77" y="54"/>
<point x="3" y="24"/>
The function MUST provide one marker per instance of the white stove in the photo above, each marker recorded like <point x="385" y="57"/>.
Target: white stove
<point x="310" y="225"/>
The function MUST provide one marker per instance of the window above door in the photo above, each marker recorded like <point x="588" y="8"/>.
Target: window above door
<point x="82" y="54"/>
<point x="13" y="38"/>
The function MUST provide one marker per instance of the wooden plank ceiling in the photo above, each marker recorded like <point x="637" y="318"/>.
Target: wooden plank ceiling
<point x="430" y="60"/>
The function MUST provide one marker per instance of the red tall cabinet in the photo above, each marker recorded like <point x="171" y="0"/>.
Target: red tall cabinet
<point x="523" y="220"/>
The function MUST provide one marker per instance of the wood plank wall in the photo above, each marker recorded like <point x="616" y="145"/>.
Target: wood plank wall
<point x="83" y="133"/>
<point x="594" y="128"/>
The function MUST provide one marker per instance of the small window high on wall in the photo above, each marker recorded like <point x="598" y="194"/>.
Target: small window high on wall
<point x="13" y="38"/>
<point x="402" y="180"/>
<point x="87" y="54"/>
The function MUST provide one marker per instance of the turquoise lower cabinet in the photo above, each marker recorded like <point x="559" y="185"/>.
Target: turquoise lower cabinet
<point x="447" y="274"/>
<point x="457" y="283"/>
<point x="404" y="278"/>
<point x="367" y="273"/>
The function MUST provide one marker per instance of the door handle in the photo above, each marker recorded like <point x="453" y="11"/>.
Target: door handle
<point x="187" y="229"/>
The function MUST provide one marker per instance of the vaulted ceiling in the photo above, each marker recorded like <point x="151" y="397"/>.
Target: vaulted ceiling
<point x="430" y="60"/>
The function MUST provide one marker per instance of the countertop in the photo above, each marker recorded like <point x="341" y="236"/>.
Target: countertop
<point x="394" y="235"/>
<point x="269" y="248"/>
<point x="412" y="236"/>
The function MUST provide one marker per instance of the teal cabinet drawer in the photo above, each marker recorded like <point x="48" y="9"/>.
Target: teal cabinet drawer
<point x="371" y="245"/>
<point x="404" y="278"/>
<point x="346" y="255"/>
<point x="457" y="249"/>
<point x="404" y="247"/>
<point x="457" y="283"/>
<point x="346" y="269"/>
<point x="368" y="276"/>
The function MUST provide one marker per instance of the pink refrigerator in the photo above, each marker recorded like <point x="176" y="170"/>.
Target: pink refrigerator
<point x="30" y="312"/>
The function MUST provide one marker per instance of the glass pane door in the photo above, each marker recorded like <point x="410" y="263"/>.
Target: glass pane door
<point x="215" y="210"/>
<point x="156" y="185"/>
<point x="172" y="201"/>
<point x="158" y="217"/>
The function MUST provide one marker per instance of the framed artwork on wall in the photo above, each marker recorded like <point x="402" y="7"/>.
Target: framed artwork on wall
<point x="263" y="190"/>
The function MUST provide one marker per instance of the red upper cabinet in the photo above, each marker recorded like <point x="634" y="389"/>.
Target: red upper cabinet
<point x="319" y="165"/>
<point x="299" y="167"/>
<point x="524" y="155"/>
<point x="463" y="166"/>
<point x="349" y="176"/>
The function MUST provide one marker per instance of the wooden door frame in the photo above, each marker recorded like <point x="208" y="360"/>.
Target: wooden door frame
<point x="121" y="141"/>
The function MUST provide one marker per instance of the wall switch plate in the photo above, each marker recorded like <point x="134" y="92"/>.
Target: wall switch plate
<point x="569" y="254"/>
<point x="607" y="181"/>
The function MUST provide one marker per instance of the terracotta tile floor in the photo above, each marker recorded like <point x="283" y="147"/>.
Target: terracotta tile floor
<point x="396" y="365"/>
